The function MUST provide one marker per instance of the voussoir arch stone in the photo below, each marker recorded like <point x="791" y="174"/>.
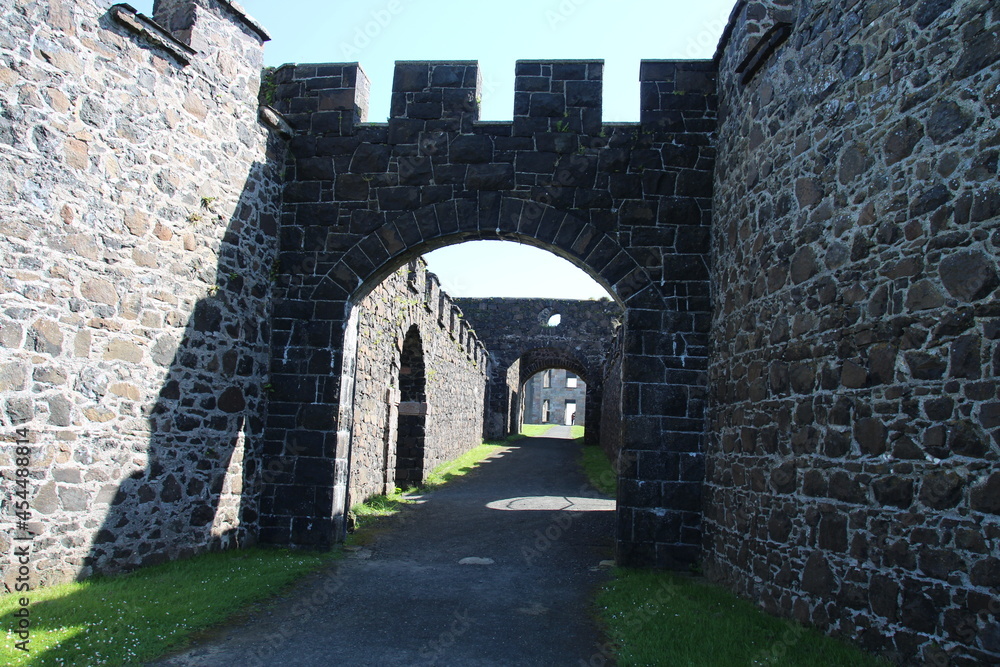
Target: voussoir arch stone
<point x="378" y="254"/>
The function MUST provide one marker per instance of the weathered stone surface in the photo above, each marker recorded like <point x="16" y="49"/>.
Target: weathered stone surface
<point x="817" y="577"/>
<point x="232" y="400"/>
<point x="986" y="495"/>
<point x="947" y="121"/>
<point x="901" y="140"/>
<point x="853" y="375"/>
<point x="871" y="435"/>
<point x="804" y="265"/>
<point x="100" y="274"/>
<point x="123" y="350"/>
<point x="13" y="376"/>
<point x="886" y="346"/>
<point x="46" y="337"/>
<point x="60" y="411"/>
<point x="100" y="290"/>
<point x="894" y="491"/>
<point x="923" y="295"/>
<point x="969" y="275"/>
<point x="942" y="490"/>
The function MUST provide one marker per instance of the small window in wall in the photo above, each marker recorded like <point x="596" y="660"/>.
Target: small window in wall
<point x="547" y="379"/>
<point x="545" y="411"/>
<point x="554" y="321"/>
<point x="570" y="381"/>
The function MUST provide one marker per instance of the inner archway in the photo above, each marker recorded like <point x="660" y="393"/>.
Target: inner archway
<point x="554" y="396"/>
<point x="412" y="411"/>
<point x="326" y="288"/>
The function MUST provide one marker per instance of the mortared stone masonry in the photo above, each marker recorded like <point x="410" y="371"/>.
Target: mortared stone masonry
<point x="215" y="328"/>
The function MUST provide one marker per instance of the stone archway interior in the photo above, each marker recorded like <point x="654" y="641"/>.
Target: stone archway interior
<point x="412" y="412"/>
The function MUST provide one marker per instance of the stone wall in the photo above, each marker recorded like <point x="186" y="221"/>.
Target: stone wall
<point x="454" y="378"/>
<point x="610" y="438"/>
<point x="855" y="421"/>
<point x="138" y="205"/>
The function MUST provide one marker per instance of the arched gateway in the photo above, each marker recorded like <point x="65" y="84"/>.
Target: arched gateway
<point x="627" y="203"/>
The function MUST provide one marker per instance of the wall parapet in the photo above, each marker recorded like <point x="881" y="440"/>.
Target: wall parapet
<point x="558" y="97"/>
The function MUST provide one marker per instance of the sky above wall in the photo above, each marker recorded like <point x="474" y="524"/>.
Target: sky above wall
<point x="377" y="33"/>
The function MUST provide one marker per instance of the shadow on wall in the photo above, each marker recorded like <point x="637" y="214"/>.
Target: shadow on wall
<point x="199" y="490"/>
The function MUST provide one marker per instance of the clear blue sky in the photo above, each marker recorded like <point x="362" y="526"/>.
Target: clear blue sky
<point x="379" y="32"/>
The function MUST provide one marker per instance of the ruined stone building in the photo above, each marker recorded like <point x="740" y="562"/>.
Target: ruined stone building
<point x="215" y="328"/>
<point x="555" y="396"/>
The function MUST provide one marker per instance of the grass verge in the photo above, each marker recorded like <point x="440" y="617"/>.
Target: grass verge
<point x="132" y="618"/>
<point x="663" y="618"/>
<point x="535" y="430"/>
<point x="596" y="465"/>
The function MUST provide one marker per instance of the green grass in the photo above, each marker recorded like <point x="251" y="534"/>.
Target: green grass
<point x="535" y="430"/>
<point x="128" y="619"/>
<point x="598" y="469"/>
<point x="368" y="512"/>
<point x="446" y="472"/>
<point x="663" y="618"/>
<point x="576" y="431"/>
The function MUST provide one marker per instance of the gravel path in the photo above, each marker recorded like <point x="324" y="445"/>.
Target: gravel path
<point x="496" y="568"/>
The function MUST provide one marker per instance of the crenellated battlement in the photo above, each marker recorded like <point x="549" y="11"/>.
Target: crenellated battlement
<point x="560" y="96"/>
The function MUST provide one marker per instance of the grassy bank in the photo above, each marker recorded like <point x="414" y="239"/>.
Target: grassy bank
<point x="128" y="619"/>
<point x="600" y="473"/>
<point x="535" y="430"/>
<point x="663" y="618"/>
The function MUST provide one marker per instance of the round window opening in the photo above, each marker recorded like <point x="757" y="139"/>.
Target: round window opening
<point x="554" y="321"/>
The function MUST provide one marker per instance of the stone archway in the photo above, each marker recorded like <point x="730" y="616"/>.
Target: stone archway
<point x="412" y="412"/>
<point x="628" y="203"/>
<point x="538" y="360"/>
<point x="644" y="310"/>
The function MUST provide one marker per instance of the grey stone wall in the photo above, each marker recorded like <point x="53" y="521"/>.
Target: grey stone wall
<point x="138" y="213"/>
<point x="852" y="470"/>
<point x="454" y="375"/>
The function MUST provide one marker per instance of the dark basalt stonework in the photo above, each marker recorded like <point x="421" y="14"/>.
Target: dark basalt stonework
<point x="853" y="438"/>
<point x="629" y="203"/>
